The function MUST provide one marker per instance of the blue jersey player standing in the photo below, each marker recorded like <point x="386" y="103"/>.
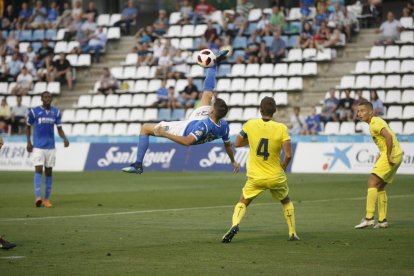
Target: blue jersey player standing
<point x="43" y="119"/>
<point x="205" y="124"/>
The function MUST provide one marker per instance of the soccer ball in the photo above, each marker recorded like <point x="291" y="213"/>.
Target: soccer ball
<point x="206" y="58"/>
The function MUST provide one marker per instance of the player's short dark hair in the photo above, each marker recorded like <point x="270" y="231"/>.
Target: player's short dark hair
<point x="367" y="104"/>
<point x="221" y="108"/>
<point x="44" y="93"/>
<point x="268" y="106"/>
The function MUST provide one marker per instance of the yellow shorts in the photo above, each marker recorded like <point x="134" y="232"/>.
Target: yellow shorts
<point x="277" y="187"/>
<point x="384" y="170"/>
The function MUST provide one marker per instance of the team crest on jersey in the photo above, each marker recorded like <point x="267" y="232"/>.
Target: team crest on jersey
<point x="198" y="133"/>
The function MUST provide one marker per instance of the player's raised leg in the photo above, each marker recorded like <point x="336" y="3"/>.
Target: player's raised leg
<point x="147" y="130"/>
<point x="210" y="81"/>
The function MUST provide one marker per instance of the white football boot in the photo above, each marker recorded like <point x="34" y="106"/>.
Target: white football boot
<point x="365" y="223"/>
<point x="383" y="224"/>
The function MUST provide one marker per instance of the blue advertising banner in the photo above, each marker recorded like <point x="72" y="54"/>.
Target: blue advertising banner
<point x="166" y="156"/>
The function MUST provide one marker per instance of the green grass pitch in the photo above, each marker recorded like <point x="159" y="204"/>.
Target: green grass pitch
<point x="171" y="223"/>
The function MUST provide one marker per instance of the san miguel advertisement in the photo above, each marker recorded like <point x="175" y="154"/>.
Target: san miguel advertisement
<point x="164" y="156"/>
<point x="344" y="158"/>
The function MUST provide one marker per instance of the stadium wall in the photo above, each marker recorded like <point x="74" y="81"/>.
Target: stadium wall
<point x="309" y="157"/>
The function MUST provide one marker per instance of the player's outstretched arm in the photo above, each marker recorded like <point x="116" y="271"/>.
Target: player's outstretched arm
<point x="230" y="153"/>
<point x="287" y="149"/>
<point x="241" y="141"/>
<point x="182" y="140"/>
<point x="389" y="143"/>
<point x="29" y="145"/>
<point x="63" y="136"/>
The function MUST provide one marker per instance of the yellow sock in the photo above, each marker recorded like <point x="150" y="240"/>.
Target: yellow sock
<point x="239" y="211"/>
<point x="371" y="200"/>
<point x="289" y="213"/>
<point x="382" y="206"/>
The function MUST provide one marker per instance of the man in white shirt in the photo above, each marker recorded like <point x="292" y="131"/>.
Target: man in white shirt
<point x="19" y="114"/>
<point x="97" y="42"/>
<point x="390" y="30"/>
<point x="23" y="84"/>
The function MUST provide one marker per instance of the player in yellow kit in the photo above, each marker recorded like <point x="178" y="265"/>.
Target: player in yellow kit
<point x="265" y="171"/>
<point x="388" y="162"/>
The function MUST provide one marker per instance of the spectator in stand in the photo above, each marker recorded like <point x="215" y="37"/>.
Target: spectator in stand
<point x="157" y="51"/>
<point x="406" y="12"/>
<point x="298" y="123"/>
<point x="358" y="99"/>
<point x="45" y="70"/>
<point x="337" y="16"/>
<point x="129" y="16"/>
<point x="188" y="96"/>
<point x="12" y="42"/>
<point x="377" y="104"/>
<point x="161" y="24"/>
<point x="322" y="4"/>
<point x="89" y="26"/>
<point x="202" y="10"/>
<point x="18" y="116"/>
<point x="92" y="10"/>
<point x="29" y="65"/>
<point x="3" y="46"/>
<point x="29" y="53"/>
<point x="321" y="36"/>
<point x="164" y="64"/>
<point x="344" y="108"/>
<point x="305" y="6"/>
<point x="66" y="14"/>
<point x="45" y="50"/>
<point x="229" y="29"/>
<point x="179" y="68"/>
<point x="97" y="42"/>
<point x="170" y="48"/>
<point x="305" y="39"/>
<point x="107" y="83"/>
<point x="277" y="19"/>
<point x="410" y="7"/>
<point x="9" y="19"/>
<point x="333" y="36"/>
<point x="209" y="35"/>
<point x="240" y="23"/>
<point x="5" y="116"/>
<point x="263" y="54"/>
<point x="144" y="55"/>
<point x="186" y="12"/>
<point x="390" y="30"/>
<point x="244" y="6"/>
<point x="313" y="122"/>
<point x="24" y="83"/>
<point x="321" y="16"/>
<point x="24" y="16"/>
<point x="52" y="15"/>
<point x="62" y="71"/>
<point x="251" y="52"/>
<point x="350" y="23"/>
<point x="38" y="17"/>
<point x="162" y="95"/>
<point x="278" y="48"/>
<point x="172" y="98"/>
<point x="263" y="26"/>
<point x="13" y="68"/>
<point x="329" y="108"/>
<point x="77" y="10"/>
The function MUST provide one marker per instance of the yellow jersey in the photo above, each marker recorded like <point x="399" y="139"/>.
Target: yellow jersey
<point x="265" y="141"/>
<point x="375" y="127"/>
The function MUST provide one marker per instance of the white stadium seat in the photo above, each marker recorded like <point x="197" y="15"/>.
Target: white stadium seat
<point x="150" y="99"/>
<point x="122" y="114"/>
<point x="225" y="97"/>
<point x="235" y="114"/>
<point x="280" y="69"/>
<point x="295" y="83"/>
<point x="266" y="69"/>
<point x="106" y="129"/>
<point x="238" y="70"/>
<point x="377" y="66"/>
<point x="68" y="115"/>
<point x="407" y="66"/>
<point x="114" y="33"/>
<point x="92" y="129"/>
<point x="223" y="85"/>
<point x="136" y="114"/>
<point x="125" y="100"/>
<point x="396" y="127"/>
<point x="377" y="81"/>
<point x="115" y="17"/>
<point x="407" y="36"/>
<point x="237" y="84"/>
<point x="134" y="129"/>
<point x="84" y="60"/>
<point x="407" y="96"/>
<point x="235" y="128"/>
<point x="103" y="20"/>
<point x="187" y="30"/>
<point x="407" y="81"/>
<point x="281" y="98"/>
<point x="120" y="129"/>
<point x="251" y="99"/>
<point x="252" y="84"/>
<point x="138" y="100"/>
<point x="98" y="101"/>
<point x="393" y="96"/>
<point x="347" y="128"/>
<point x="280" y="84"/>
<point x="141" y="86"/>
<point x="78" y="129"/>
<point x="394" y="112"/>
<point x="84" y="101"/>
<point x="377" y="52"/>
<point x="95" y="115"/>
<point x="362" y="67"/>
<point x="111" y="100"/>
<point x="407" y="51"/>
<point x="392" y="66"/>
<point x="109" y="114"/>
<point x="408" y="128"/>
<point x="295" y="55"/>
<point x="407" y="22"/>
<point x="295" y="69"/>
<point x="252" y="70"/>
<point x="362" y="127"/>
<point x="254" y="14"/>
<point x="331" y="128"/>
<point x="174" y="31"/>
<point x="266" y="84"/>
<point x="82" y="115"/>
<point x="250" y="113"/>
<point x="150" y="114"/>
<point x="236" y="99"/>
<point x="392" y="51"/>
<point x="309" y="54"/>
<point x="347" y="82"/>
<point x="393" y="81"/>
<point x="408" y="112"/>
<point x="310" y="69"/>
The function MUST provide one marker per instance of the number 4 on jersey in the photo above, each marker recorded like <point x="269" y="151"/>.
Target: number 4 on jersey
<point x="263" y="149"/>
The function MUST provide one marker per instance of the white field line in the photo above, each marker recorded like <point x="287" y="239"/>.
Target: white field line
<point x="13" y="257"/>
<point x="186" y="209"/>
